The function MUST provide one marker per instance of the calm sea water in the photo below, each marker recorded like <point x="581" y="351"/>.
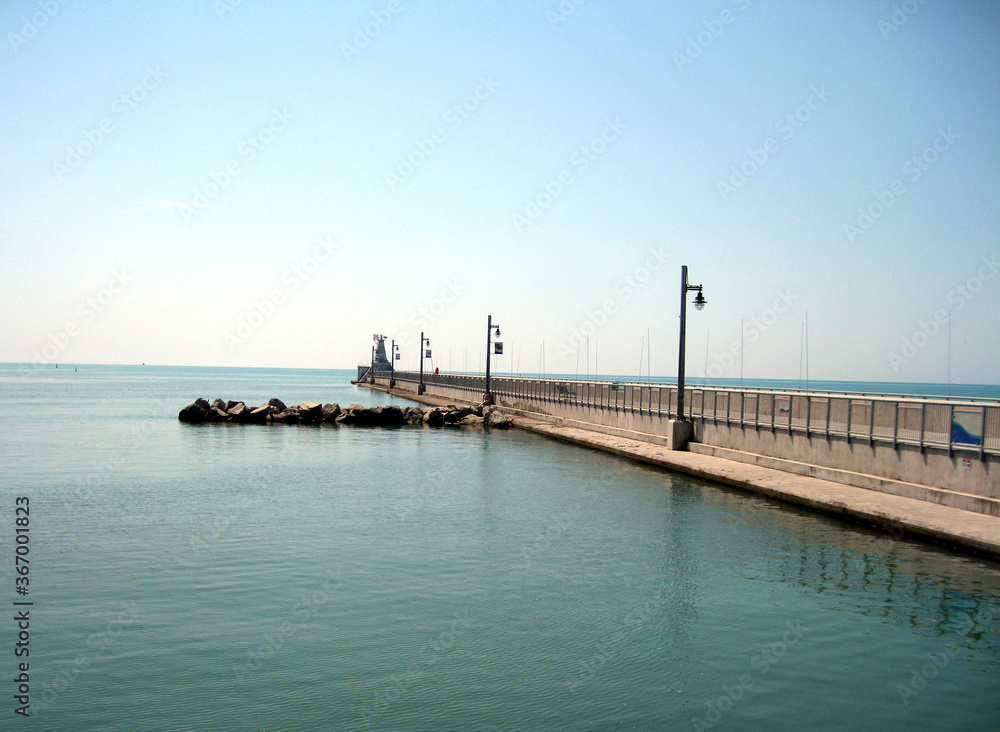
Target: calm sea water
<point x="220" y="577"/>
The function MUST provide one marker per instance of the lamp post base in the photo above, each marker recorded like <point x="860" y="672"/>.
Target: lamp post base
<point x="488" y="399"/>
<point x="421" y="389"/>
<point x="679" y="434"/>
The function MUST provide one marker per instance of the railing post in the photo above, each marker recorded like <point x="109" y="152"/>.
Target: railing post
<point x="895" y="425"/>
<point x="951" y="422"/>
<point x="982" y="434"/>
<point x="922" y="415"/>
<point x="871" y="423"/>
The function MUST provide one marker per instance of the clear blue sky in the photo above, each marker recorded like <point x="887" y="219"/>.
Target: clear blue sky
<point x="264" y="184"/>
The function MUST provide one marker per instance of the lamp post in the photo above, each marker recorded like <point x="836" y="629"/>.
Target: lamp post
<point x="420" y="387"/>
<point x="699" y="303"/>
<point x="490" y="327"/>
<point x="393" y="355"/>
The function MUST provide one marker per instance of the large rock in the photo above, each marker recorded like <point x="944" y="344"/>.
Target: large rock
<point x="355" y="414"/>
<point x="259" y="415"/>
<point x="217" y="415"/>
<point x="497" y="420"/>
<point x="194" y="413"/>
<point x="434" y="416"/>
<point x="364" y="416"/>
<point x="456" y="414"/>
<point x="286" y="416"/>
<point x="277" y="404"/>
<point x="330" y="412"/>
<point x="219" y="404"/>
<point x="470" y="419"/>
<point x="413" y="414"/>
<point x="203" y="403"/>
<point x="310" y="413"/>
<point x="388" y="415"/>
<point x="239" y="413"/>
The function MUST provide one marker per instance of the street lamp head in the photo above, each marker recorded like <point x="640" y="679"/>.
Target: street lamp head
<point x="498" y="331"/>
<point x="700" y="301"/>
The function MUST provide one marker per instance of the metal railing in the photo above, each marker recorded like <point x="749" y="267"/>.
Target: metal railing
<point x="971" y="426"/>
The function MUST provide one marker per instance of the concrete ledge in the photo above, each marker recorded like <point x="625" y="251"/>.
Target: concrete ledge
<point x="954" y="499"/>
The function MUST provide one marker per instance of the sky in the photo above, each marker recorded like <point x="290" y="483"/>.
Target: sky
<point x="241" y="183"/>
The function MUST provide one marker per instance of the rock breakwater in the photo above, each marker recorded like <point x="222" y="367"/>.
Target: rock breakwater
<point x="276" y="411"/>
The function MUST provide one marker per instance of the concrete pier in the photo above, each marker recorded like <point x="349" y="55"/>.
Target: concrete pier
<point x="904" y="516"/>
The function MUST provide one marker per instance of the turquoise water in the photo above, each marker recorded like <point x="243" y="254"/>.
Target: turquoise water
<point x="218" y="577"/>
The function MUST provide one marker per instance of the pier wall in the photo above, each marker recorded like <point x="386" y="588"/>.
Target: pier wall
<point x="944" y="451"/>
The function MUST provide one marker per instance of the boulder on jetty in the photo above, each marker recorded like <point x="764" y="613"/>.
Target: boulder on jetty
<point x="310" y="413"/>
<point x="276" y="411"/>
<point x="259" y="415"/>
<point x="193" y="413"/>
